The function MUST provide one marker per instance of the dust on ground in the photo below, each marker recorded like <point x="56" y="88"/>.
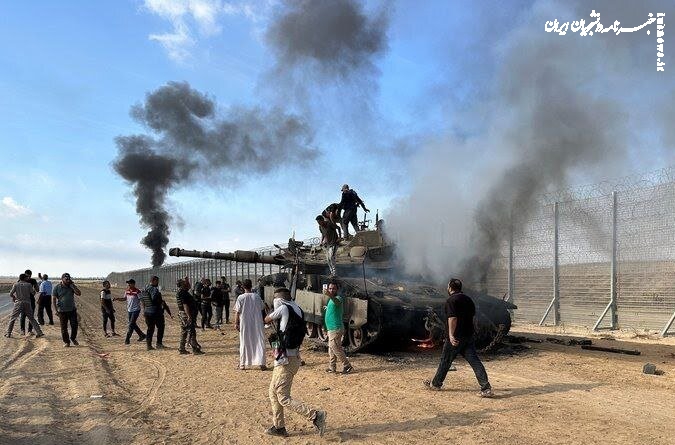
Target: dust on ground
<point x="547" y="394"/>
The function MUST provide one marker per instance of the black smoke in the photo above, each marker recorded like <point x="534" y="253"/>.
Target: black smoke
<point x="336" y="36"/>
<point x="189" y="135"/>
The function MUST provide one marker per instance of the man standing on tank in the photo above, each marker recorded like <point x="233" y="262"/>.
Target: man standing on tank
<point x="349" y="204"/>
<point x="460" y="311"/>
<point x="336" y="330"/>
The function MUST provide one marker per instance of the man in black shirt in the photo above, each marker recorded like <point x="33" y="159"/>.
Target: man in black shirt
<point x="459" y="311"/>
<point x="187" y="312"/>
<point x="205" y="302"/>
<point x="226" y="298"/>
<point x="217" y="300"/>
<point x="349" y="204"/>
<point x="153" y="311"/>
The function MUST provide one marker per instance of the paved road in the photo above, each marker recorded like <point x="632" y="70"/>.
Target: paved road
<point x="5" y="304"/>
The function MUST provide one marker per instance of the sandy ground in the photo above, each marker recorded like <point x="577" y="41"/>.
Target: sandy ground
<point x="548" y="394"/>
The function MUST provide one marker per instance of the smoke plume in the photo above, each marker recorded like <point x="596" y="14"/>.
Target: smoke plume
<point x="335" y="36"/>
<point x="559" y="108"/>
<point x="189" y="135"/>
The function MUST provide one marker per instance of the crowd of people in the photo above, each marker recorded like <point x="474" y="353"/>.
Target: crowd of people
<point x="251" y="318"/>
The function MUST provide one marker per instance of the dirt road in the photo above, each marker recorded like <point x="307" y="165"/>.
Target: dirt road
<point x="550" y="394"/>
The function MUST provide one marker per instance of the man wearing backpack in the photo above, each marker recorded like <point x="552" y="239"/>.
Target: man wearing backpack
<point x="290" y="326"/>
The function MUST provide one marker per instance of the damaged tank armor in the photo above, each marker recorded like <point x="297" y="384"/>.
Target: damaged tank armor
<point x="383" y="307"/>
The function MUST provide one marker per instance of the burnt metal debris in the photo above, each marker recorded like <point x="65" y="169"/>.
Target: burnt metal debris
<point x="384" y="308"/>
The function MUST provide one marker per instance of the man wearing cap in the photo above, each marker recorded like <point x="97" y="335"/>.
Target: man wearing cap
<point x="286" y="366"/>
<point x="63" y="296"/>
<point x="21" y="293"/>
<point x="132" y="297"/>
<point x="349" y="204"/>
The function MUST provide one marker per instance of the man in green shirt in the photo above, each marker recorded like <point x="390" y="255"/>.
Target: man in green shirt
<point x="336" y="330"/>
<point x="63" y="296"/>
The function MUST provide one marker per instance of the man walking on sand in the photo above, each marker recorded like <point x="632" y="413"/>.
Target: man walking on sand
<point x="21" y="293"/>
<point x="336" y="330"/>
<point x="63" y="296"/>
<point x="459" y="311"/>
<point x="290" y="328"/>
<point x="248" y="321"/>
<point x="187" y="314"/>
<point x="132" y="297"/>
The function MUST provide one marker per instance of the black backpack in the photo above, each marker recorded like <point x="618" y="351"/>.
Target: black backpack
<point x="294" y="334"/>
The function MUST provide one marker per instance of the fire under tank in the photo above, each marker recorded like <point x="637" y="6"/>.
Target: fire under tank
<point x="384" y="308"/>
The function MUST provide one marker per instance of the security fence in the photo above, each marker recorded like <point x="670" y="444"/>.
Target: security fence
<point x="600" y="256"/>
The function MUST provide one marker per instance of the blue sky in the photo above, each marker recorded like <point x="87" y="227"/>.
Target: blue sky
<point x="72" y="70"/>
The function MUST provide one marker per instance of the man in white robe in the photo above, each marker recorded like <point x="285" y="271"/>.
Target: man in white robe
<point x="249" y="323"/>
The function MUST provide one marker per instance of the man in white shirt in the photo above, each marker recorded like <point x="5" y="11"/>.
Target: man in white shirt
<point x="286" y="365"/>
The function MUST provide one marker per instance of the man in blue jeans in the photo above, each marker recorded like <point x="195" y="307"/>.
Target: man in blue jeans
<point x="132" y="297"/>
<point x="459" y="311"/>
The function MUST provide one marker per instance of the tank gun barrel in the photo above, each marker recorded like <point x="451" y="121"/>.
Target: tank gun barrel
<point x="242" y="256"/>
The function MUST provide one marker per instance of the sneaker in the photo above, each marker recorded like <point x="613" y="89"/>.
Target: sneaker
<point x="150" y="348"/>
<point x="160" y="346"/>
<point x="274" y="431"/>
<point x="141" y="338"/>
<point x="348" y="369"/>
<point x="107" y="335"/>
<point x="263" y="368"/>
<point x="320" y="422"/>
<point x="183" y="352"/>
<point x="66" y="345"/>
<point x="115" y="334"/>
<point x="302" y="363"/>
<point x="486" y="393"/>
<point x="330" y="370"/>
<point x="127" y="342"/>
<point x="197" y="352"/>
<point x="8" y="335"/>
<point x="74" y="342"/>
<point x="430" y="386"/>
<point x="41" y="334"/>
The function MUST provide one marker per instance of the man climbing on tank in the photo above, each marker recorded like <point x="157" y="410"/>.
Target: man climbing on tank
<point x="330" y="241"/>
<point x="333" y="214"/>
<point x="349" y="205"/>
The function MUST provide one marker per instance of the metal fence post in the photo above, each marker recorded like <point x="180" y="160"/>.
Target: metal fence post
<point x="612" y="306"/>
<point x="555" y="302"/>
<point x="510" y="276"/>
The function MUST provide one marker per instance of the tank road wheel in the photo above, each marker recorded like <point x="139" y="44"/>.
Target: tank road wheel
<point x="310" y="329"/>
<point x="357" y="337"/>
<point x="322" y="333"/>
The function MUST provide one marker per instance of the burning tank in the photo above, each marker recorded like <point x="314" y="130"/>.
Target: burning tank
<point x="384" y="308"/>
